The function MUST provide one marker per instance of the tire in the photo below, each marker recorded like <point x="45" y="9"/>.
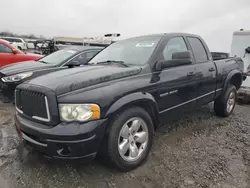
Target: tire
<point x="136" y="116"/>
<point x="221" y="107"/>
<point x="19" y="48"/>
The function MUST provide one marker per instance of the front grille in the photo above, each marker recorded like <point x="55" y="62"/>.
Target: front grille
<point x="32" y="104"/>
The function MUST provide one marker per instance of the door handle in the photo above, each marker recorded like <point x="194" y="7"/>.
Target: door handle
<point x="190" y="74"/>
<point x="211" y="69"/>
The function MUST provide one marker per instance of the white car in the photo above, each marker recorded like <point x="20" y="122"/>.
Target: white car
<point x="12" y="44"/>
<point x="18" y="42"/>
<point x="30" y="43"/>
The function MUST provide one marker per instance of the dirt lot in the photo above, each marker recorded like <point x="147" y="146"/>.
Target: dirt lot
<point x="199" y="150"/>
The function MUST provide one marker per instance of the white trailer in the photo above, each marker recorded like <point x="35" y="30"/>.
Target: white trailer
<point x="241" y="48"/>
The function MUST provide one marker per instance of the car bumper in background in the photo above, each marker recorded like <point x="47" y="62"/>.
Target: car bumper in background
<point x="64" y="141"/>
<point x="244" y="93"/>
<point x="7" y="91"/>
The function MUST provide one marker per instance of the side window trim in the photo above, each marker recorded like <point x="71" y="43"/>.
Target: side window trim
<point x="189" y="49"/>
<point x="204" y="47"/>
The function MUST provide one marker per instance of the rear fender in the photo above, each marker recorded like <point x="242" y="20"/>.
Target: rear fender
<point x="230" y="76"/>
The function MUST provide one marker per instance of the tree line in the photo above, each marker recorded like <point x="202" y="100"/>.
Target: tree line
<point x="27" y="36"/>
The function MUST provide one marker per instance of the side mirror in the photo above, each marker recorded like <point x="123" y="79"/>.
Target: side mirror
<point x="178" y="59"/>
<point x="73" y="64"/>
<point x="14" y="51"/>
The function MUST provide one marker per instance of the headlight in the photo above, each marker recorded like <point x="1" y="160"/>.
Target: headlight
<point x="16" y="77"/>
<point x="79" y="112"/>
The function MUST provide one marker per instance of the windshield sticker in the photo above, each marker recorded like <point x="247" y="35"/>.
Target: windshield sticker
<point x="144" y="44"/>
<point x="71" y="51"/>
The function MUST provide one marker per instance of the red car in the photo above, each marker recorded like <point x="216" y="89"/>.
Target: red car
<point x="9" y="54"/>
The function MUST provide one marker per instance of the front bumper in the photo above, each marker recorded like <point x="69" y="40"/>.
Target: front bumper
<point x="7" y="91"/>
<point x="64" y="141"/>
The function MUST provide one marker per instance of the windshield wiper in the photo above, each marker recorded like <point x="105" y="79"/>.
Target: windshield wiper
<point x="42" y="61"/>
<point x="112" y="61"/>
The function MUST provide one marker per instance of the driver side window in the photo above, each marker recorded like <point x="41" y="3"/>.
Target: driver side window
<point x="83" y="58"/>
<point x="176" y="44"/>
<point x="5" y="49"/>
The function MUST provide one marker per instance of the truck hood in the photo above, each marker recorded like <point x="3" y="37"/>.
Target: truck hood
<point x="77" y="78"/>
<point x="25" y="66"/>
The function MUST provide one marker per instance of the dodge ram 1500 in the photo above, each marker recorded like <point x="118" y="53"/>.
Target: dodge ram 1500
<point x="112" y="106"/>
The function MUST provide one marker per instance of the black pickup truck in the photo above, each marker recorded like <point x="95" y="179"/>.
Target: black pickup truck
<point x="112" y="106"/>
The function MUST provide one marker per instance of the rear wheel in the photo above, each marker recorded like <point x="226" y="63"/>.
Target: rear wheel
<point x="130" y="138"/>
<point x="224" y="105"/>
<point x="19" y="47"/>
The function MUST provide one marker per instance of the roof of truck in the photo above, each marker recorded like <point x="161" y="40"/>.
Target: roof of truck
<point x="165" y="34"/>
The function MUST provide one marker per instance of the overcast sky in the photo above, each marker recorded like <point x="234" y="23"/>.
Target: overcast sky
<point x="214" y="20"/>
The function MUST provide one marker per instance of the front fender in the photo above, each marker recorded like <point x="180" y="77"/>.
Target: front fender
<point x="130" y="99"/>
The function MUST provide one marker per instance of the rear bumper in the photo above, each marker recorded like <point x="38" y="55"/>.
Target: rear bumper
<point x="64" y="141"/>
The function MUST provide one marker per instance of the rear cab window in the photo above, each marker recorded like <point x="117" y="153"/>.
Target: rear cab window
<point x="18" y="40"/>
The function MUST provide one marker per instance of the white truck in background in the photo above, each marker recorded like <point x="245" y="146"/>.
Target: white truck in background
<point x="17" y="42"/>
<point x="241" y="48"/>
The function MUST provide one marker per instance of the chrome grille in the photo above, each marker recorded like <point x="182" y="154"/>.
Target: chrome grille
<point x="32" y="104"/>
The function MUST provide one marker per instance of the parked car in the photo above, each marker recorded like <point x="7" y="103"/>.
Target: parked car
<point x="30" y="43"/>
<point x="9" y="54"/>
<point x="19" y="42"/>
<point x="11" y="43"/>
<point x="113" y="106"/>
<point x="241" y="48"/>
<point x="14" y="74"/>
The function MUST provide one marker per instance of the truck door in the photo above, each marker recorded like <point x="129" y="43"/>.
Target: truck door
<point x="205" y="71"/>
<point x="176" y="90"/>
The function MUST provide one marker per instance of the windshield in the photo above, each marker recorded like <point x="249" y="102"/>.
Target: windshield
<point x="134" y="51"/>
<point x="58" y="56"/>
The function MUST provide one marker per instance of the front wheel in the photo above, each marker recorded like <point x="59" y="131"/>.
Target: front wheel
<point x="224" y="105"/>
<point x="130" y="138"/>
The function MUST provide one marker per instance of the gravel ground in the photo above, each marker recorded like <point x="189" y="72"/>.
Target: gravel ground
<point x="200" y="150"/>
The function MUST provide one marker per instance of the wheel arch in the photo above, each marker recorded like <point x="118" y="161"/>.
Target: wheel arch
<point x="233" y="78"/>
<point x="140" y="99"/>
